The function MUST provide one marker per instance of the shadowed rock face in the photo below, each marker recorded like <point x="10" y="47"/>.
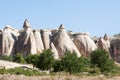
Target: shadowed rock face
<point x="26" y="41"/>
<point x="115" y="49"/>
<point x="8" y="38"/>
<point x="84" y="43"/>
<point x="63" y="42"/>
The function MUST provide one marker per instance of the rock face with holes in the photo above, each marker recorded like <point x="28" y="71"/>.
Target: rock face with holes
<point x="8" y="39"/>
<point x="84" y="43"/>
<point x="63" y="42"/>
<point x="115" y="49"/>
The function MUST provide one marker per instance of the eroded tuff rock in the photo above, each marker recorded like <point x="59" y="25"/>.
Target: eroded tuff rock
<point x="54" y="50"/>
<point x="8" y="38"/>
<point x="84" y="43"/>
<point x="63" y="42"/>
<point x="38" y="40"/>
<point x="104" y="43"/>
<point x="115" y="49"/>
<point x="46" y="35"/>
<point x="26" y="41"/>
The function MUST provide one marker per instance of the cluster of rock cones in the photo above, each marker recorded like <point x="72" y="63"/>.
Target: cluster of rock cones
<point x="29" y="41"/>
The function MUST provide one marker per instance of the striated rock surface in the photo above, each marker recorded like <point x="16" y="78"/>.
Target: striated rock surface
<point x="63" y="42"/>
<point x="46" y="35"/>
<point x="26" y="41"/>
<point x="8" y="38"/>
<point x="54" y="50"/>
<point x="39" y="42"/>
<point x="84" y="43"/>
<point x="115" y="49"/>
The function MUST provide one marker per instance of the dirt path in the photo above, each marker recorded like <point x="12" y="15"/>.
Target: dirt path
<point x="8" y="64"/>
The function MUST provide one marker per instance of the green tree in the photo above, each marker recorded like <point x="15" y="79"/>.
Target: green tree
<point x="8" y="58"/>
<point x="58" y="66"/>
<point x="46" y="60"/>
<point x="32" y="59"/>
<point x="70" y="62"/>
<point x="100" y="59"/>
<point x="19" y="58"/>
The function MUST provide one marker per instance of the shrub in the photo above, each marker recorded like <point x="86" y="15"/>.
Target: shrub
<point x="19" y="58"/>
<point x="100" y="59"/>
<point x="46" y="60"/>
<point x="32" y="59"/>
<point x="70" y="62"/>
<point x="57" y="66"/>
<point x="84" y="64"/>
<point x="8" y="58"/>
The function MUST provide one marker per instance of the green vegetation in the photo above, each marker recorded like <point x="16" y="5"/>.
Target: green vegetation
<point x="32" y="59"/>
<point x="71" y="63"/>
<point x="117" y="35"/>
<point x="19" y="71"/>
<point x="98" y="63"/>
<point x="45" y="60"/>
<point x="19" y="58"/>
<point x="100" y="58"/>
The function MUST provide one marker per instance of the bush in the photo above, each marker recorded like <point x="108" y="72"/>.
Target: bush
<point x="84" y="64"/>
<point x="57" y="66"/>
<point x="8" y="58"/>
<point x="71" y="63"/>
<point x="32" y="59"/>
<point x="19" y="58"/>
<point x="46" y="60"/>
<point x="100" y="59"/>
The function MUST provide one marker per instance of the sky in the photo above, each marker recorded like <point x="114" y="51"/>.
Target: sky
<point x="94" y="16"/>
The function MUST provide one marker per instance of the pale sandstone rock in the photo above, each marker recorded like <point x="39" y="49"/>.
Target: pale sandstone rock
<point x="63" y="42"/>
<point x="104" y="43"/>
<point x="56" y="56"/>
<point x="8" y="38"/>
<point x="46" y="35"/>
<point x="84" y="43"/>
<point x="39" y="42"/>
<point x="26" y="41"/>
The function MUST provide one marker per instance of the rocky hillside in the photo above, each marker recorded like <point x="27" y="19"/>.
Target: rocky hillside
<point x="30" y="41"/>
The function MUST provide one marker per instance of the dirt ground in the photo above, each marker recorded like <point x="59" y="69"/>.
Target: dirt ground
<point x="57" y="77"/>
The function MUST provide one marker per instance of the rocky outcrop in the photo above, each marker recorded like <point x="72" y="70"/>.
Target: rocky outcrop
<point x="46" y="35"/>
<point x="104" y="43"/>
<point x="26" y="41"/>
<point x="8" y="38"/>
<point x="84" y="43"/>
<point x="63" y="42"/>
<point x="38" y="40"/>
<point x="54" y="50"/>
<point x="115" y="49"/>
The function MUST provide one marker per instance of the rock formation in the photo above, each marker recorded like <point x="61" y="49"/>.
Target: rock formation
<point x="104" y="43"/>
<point x="8" y="38"/>
<point x="46" y="35"/>
<point x="39" y="42"/>
<point x="115" y="49"/>
<point x="63" y="42"/>
<point x="84" y="43"/>
<point x="56" y="55"/>
<point x="26" y="41"/>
